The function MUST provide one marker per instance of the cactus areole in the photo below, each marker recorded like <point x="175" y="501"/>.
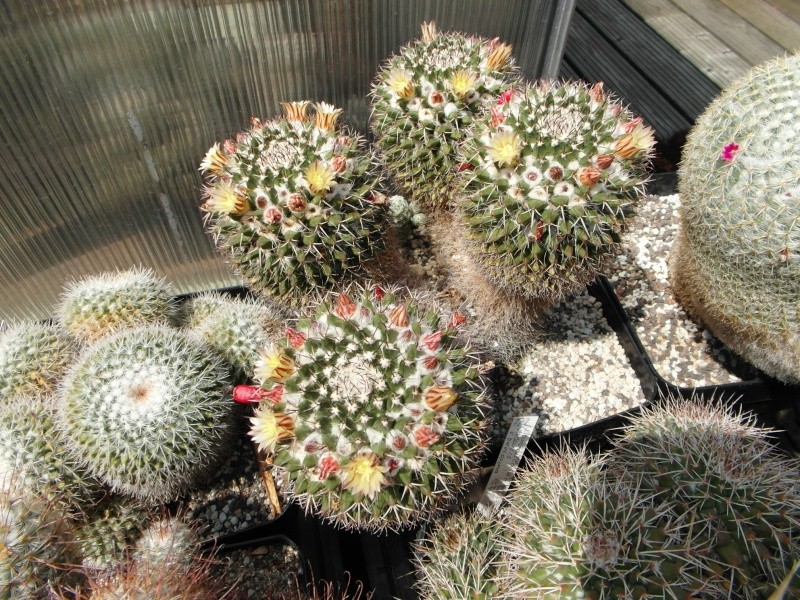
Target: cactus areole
<point x="372" y="410"/>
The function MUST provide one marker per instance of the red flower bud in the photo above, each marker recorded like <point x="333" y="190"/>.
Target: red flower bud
<point x="457" y="320"/>
<point x="345" y="307"/>
<point x="327" y="467"/>
<point x="430" y="363"/>
<point x="432" y="340"/>
<point x="425" y="436"/>
<point x="272" y="215"/>
<point x="339" y="163"/>
<point x="296" y="339"/>
<point x="398" y="316"/>
<point x="379" y="293"/>
<point x="247" y="394"/>
<point x="297" y="202"/>
<point x="465" y="166"/>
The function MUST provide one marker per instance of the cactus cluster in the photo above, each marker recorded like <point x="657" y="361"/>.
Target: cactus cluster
<point x="425" y="97"/>
<point x="235" y="328"/>
<point x="107" y="537"/>
<point x="293" y="202"/>
<point x="736" y="264"/>
<point x="693" y="501"/>
<point x="372" y="408"/>
<point x="97" y="306"/>
<point x="33" y="358"/>
<point x="549" y="177"/>
<point x="146" y="411"/>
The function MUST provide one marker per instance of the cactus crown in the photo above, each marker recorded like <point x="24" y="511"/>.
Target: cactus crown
<point x="551" y="173"/>
<point x="292" y="202"/>
<point x="97" y="306"/>
<point x="146" y="411"/>
<point x="372" y="409"/>
<point x="424" y="97"/>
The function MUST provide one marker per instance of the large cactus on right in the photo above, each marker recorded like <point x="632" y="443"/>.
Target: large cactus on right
<point x="736" y="266"/>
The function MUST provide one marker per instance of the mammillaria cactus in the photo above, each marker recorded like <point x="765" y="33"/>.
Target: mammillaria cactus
<point x="235" y="328"/>
<point x="169" y="542"/>
<point x="33" y="358"/>
<point x="373" y="410"/>
<point x="423" y="99"/>
<point x="460" y="559"/>
<point x="108" y="536"/>
<point x="146" y="411"/>
<point x="721" y="474"/>
<point x="293" y="202"/>
<point x="736" y="264"/>
<point x="97" y="306"/>
<point x="549" y="177"/>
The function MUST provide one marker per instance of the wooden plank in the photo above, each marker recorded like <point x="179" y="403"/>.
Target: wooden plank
<point x="791" y="8"/>
<point x="732" y="29"/>
<point x="720" y="64"/>
<point x="769" y="20"/>
<point x="689" y="89"/>
<point x="591" y="55"/>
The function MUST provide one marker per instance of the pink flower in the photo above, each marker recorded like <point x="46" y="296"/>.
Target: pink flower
<point x="245" y="394"/>
<point x="296" y="339"/>
<point x="505" y="97"/>
<point x="729" y="152"/>
<point x="432" y="340"/>
<point x="497" y="117"/>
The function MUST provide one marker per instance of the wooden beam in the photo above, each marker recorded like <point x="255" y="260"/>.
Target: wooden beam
<point x="768" y="19"/>
<point x="791" y="8"/>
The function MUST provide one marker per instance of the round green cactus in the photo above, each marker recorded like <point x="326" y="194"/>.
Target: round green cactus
<point x="424" y="98"/>
<point x="235" y="328"/>
<point x="721" y="474"/>
<point x="460" y="558"/>
<point x="736" y="266"/>
<point x="97" y="306"/>
<point x="293" y="203"/>
<point x="109" y="535"/>
<point x="549" y="177"/>
<point x="373" y="409"/>
<point x="168" y="542"/>
<point x="146" y="411"/>
<point x="33" y="446"/>
<point x="33" y="358"/>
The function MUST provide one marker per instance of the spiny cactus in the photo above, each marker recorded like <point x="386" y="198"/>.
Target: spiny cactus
<point x="35" y="548"/>
<point x="97" y="306"/>
<point x="736" y="265"/>
<point x="146" y="411"/>
<point x="549" y="177"/>
<point x="423" y="100"/>
<point x="33" y="358"/>
<point x="235" y="328"/>
<point x="721" y="473"/>
<point x="460" y="559"/>
<point x="33" y="446"/>
<point x="108" y="536"/>
<point x="372" y="409"/>
<point x="293" y="202"/>
<point x="170" y="542"/>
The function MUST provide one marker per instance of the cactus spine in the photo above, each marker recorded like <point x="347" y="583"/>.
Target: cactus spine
<point x="372" y="408"/>
<point x="736" y="265"/>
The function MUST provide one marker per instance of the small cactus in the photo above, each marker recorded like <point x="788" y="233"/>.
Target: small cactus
<point x="169" y="542"/>
<point x="235" y="328"/>
<point x="108" y="536"/>
<point x="372" y="409"/>
<point x="736" y="263"/>
<point x="423" y="100"/>
<point x="293" y="203"/>
<point x="33" y="358"/>
<point x="549" y="177"/>
<point x="146" y="411"/>
<point x="97" y="306"/>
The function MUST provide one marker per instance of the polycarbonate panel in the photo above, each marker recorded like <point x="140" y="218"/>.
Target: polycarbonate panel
<point x="107" y="108"/>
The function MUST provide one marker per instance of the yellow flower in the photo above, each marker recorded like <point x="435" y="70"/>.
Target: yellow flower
<point x="225" y="198"/>
<point x="363" y="475"/>
<point x="274" y="366"/>
<point x="214" y="161"/>
<point x="505" y="148"/>
<point x="498" y="57"/>
<point x="399" y="80"/>
<point x="463" y="82"/>
<point x="295" y="111"/>
<point x="639" y="139"/>
<point x="326" y="115"/>
<point x="319" y="177"/>
<point x="270" y="428"/>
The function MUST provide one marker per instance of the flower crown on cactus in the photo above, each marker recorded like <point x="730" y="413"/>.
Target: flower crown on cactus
<point x="372" y="408"/>
<point x="423" y="98"/>
<point x="549" y="177"/>
<point x="292" y="201"/>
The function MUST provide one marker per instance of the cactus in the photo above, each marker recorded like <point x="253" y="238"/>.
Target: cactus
<point x="549" y="177"/>
<point x="293" y="203"/>
<point x="35" y="548"/>
<point x="109" y="534"/>
<point x="33" y="358"/>
<point x="424" y="98"/>
<point x="372" y="409"/>
<point x="32" y="445"/>
<point x="168" y="542"/>
<point x="235" y="328"/>
<point x="460" y="559"/>
<point x="736" y="264"/>
<point x="146" y="411"/>
<point x="97" y="306"/>
<point x="721" y="473"/>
